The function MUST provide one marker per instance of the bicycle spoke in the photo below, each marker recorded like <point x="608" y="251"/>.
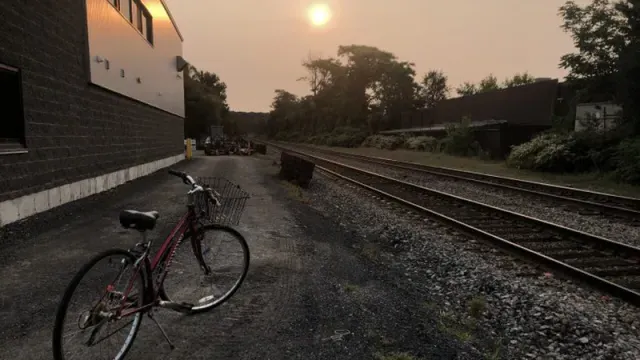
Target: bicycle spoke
<point x="81" y="333"/>
<point x="113" y="332"/>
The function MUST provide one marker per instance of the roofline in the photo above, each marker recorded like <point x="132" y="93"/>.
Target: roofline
<point x="173" y="21"/>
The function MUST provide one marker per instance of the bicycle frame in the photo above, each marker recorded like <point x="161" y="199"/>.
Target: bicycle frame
<point x="188" y="224"/>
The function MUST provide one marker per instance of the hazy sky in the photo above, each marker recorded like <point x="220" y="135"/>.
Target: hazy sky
<point x="257" y="46"/>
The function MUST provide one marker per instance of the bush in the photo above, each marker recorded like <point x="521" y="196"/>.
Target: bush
<point x="385" y="142"/>
<point x="421" y="143"/>
<point x="626" y="160"/>
<point x="460" y="140"/>
<point x="570" y="152"/>
<point x="346" y="137"/>
<point x="342" y="137"/>
<point x="525" y="156"/>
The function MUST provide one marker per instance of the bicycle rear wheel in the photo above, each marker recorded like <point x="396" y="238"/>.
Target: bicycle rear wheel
<point x="95" y="322"/>
<point x="225" y="254"/>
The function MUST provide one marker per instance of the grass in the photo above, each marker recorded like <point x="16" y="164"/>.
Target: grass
<point x="373" y="252"/>
<point x="395" y="356"/>
<point x="295" y="192"/>
<point x="589" y="181"/>
<point x="477" y="306"/>
<point x="350" y="287"/>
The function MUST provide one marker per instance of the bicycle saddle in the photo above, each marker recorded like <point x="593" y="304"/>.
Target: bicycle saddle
<point x="133" y="219"/>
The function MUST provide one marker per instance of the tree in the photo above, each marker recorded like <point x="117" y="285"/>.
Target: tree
<point x="205" y="101"/>
<point x="628" y="79"/>
<point x="363" y="89"/>
<point x="598" y="34"/>
<point x="434" y="88"/>
<point x="519" y="79"/>
<point x="467" y="89"/>
<point x="489" y="83"/>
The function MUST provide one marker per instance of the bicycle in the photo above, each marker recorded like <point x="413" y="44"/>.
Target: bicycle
<point x="208" y="212"/>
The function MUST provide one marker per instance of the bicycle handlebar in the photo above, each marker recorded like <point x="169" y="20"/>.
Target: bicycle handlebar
<point x="187" y="179"/>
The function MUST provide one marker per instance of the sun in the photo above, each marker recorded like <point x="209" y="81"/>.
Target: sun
<point x="319" y="14"/>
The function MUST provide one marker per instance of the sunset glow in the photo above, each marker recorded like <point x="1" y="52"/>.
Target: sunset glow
<point x="319" y="14"/>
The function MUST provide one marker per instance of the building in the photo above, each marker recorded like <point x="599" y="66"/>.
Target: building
<point x="94" y="97"/>
<point x="499" y="119"/>
<point x="600" y="116"/>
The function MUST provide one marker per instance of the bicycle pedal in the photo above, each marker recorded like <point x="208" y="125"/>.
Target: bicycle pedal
<point x="180" y="307"/>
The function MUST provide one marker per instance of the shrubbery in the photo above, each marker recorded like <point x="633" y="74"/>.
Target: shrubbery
<point x="341" y="137"/>
<point x="460" y="140"/>
<point x="579" y="152"/>
<point x="626" y="161"/>
<point x="386" y="142"/>
<point x="421" y="143"/>
<point x="557" y="152"/>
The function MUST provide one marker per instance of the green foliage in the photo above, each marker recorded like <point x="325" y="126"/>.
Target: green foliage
<point x="467" y="89"/>
<point x="205" y="102"/>
<point x="363" y="87"/>
<point x="519" y="79"/>
<point x="385" y="142"/>
<point x="489" y="83"/>
<point x="628" y="79"/>
<point x="421" y="143"/>
<point x="626" y="161"/>
<point x="460" y="140"/>
<point x="598" y="34"/>
<point x="567" y="152"/>
<point x="346" y="137"/>
<point x="434" y="88"/>
<point x="249" y="122"/>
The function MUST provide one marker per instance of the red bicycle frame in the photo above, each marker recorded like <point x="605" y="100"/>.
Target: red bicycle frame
<point x="188" y="225"/>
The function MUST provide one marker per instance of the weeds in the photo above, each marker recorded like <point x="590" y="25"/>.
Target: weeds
<point x="394" y="356"/>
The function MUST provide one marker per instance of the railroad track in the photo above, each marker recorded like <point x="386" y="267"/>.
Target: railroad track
<point x="587" y="202"/>
<point x="611" y="266"/>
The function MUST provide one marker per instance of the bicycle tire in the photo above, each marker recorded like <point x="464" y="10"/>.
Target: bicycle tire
<point x="245" y="268"/>
<point x="61" y="312"/>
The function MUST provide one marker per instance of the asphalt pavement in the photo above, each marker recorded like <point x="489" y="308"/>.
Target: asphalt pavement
<point x="296" y="302"/>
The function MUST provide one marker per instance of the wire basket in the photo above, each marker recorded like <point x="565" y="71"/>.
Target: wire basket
<point x="232" y="201"/>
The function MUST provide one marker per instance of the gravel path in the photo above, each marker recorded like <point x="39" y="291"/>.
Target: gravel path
<point x="511" y="200"/>
<point x="507" y="308"/>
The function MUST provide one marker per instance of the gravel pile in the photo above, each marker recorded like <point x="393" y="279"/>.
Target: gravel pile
<point x="512" y="200"/>
<point x="505" y="308"/>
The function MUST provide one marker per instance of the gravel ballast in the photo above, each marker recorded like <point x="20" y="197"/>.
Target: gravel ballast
<point x="503" y="307"/>
<point x="530" y="205"/>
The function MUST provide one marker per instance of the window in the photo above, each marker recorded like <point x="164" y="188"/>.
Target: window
<point x="135" y="12"/>
<point x="125" y="9"/>
<point x="12" y="124"/>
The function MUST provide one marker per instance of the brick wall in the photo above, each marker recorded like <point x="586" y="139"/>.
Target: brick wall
<point x="73" y="130"/>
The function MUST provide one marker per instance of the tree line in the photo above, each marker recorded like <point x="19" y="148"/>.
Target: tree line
<point x="367" y="88"/>
<point x="364" y="88"/>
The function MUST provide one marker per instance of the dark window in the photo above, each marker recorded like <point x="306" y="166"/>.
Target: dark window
<point x="12" y="135"/>
<point x="147" y="28"/>
<point x="135" y="12"/>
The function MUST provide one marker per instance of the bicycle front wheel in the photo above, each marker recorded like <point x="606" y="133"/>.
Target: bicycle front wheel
<point x="88" y="324"/>
<point x="208" y="283"/>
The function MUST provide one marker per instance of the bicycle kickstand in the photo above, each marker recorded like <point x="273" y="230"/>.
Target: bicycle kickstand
<point x="150" y="314"/>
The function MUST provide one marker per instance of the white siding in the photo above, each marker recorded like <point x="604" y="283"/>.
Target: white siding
<point x="114" y="40"/>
